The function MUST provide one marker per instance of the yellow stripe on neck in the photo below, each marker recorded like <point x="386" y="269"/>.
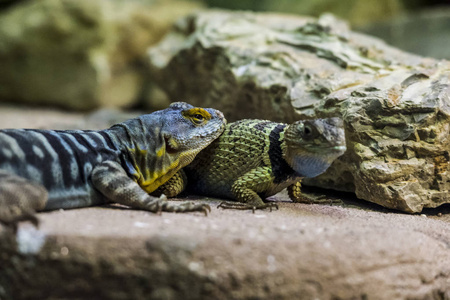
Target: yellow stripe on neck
<point x="161" y="151"/>
<point x="151" y="183"/>
<point x="148" y="178"/>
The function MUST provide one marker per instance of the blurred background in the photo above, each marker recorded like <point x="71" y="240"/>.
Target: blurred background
<point x="82" y="55"/>
<point x="418" y="26"/>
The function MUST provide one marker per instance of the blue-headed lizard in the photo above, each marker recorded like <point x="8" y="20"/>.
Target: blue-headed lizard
<point x="50" y="169"/>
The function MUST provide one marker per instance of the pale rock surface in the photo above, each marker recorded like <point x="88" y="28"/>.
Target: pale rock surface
<point x="300" y="251"/>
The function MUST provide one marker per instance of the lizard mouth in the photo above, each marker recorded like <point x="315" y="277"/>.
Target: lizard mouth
<point x="171" y="146"/>
<point x="339" y="148"/>
<point x="323" y="149"/>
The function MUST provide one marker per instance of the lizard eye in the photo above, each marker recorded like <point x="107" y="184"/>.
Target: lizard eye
<point x="308" y="132"/>
<point x="197" y="116"/>
<point x="198" y="119"/>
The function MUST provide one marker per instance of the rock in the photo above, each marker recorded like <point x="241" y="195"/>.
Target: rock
<point x="80" y="54"/>
<point x="395" y="105"/>
<point x="300" y="251"/>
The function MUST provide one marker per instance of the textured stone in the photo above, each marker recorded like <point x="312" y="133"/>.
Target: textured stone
<point x="396" y="106"/>
<point x="300" y="251"/>
<point x="80" y="54"/>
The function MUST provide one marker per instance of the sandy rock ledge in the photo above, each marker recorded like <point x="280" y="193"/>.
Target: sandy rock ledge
<point x="299" y="252"/>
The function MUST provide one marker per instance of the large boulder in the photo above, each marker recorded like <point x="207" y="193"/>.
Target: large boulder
<point x="80" y="54"/>
<point x="395" y="105"/>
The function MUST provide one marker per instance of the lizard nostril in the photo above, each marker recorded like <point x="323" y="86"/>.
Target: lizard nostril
<point x="220" y="114"/>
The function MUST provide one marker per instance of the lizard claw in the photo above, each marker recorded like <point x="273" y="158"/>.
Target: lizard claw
<point x="206" y="209"/>
<point x="272" y="205"/>
<point x="186" y="207"/>
<point x="162" y="201"/>
<point x="245" y="206"/>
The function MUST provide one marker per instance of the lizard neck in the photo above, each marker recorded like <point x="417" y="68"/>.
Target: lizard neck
<point x="280" y="168"/>
<point x="148" y="155"/>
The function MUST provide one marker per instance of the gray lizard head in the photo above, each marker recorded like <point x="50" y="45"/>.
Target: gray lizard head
<point x="189" y="129"/>
<point x="161" y="143"/>
<point x="311" y="146"/>
<point x="185" y="130"/>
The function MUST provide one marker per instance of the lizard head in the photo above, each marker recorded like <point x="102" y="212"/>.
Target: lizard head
<point x="175" y="135"/>
<point x="187" y="129"/>
<point x="311" y="146"/>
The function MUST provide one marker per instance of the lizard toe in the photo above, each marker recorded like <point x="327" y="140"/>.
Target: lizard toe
<point x="186" y="207"/>
<point x="246" y="206"/>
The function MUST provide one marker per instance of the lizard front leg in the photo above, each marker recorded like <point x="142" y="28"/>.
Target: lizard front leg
<point x="245" y="189"/>
<point x="295" y="193"/>
<point x="113" y="182"/>
<point x="19" y="200"/>
<point x="174" y="186"/>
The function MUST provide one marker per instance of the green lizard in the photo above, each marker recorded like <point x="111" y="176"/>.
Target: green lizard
<point x="255" y="159"/>
<point x="49" y="169"/>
